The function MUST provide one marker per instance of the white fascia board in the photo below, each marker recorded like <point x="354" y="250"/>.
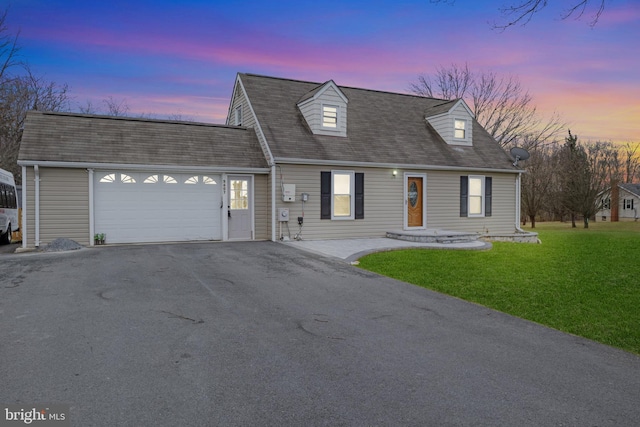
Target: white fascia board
<point x="407" y="166"/>
<point x="130" y="166"/>
<point x="270" y="158"/>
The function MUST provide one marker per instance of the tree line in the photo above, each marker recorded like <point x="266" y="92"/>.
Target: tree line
<point x="564" y="178"/>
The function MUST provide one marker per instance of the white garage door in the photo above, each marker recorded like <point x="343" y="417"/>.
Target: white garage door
<point x="157" y="206"/>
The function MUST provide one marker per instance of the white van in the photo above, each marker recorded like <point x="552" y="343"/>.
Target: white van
<point x="8" y="207"/>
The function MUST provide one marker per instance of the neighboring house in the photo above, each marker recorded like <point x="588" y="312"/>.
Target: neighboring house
<point x="348" y="162"/>
<point x="628" y="203"/>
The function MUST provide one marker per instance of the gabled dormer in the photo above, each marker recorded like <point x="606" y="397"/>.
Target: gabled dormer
<point x="325" y="110"/>
<point x="453" y="120"/>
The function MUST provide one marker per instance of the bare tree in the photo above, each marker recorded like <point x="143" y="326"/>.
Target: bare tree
<point x="631" y="162"/>
<point x="17" y="96"/>
<point x="116" y="107"/>
<point x="537" y="182"/>
<point x="8" y="48"/>
<point x="522" y="12"/>
<point x="500" y="104"/>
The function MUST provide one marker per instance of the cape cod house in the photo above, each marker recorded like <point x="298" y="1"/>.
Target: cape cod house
<point x="323" y="160"/>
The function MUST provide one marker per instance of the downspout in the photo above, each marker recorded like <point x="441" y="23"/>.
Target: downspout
<point x="273" y="203"/>
<point x="518" y="190"/>
<point x="37" y="204"/>
<point x="92" y="225"/>
<point x="23" y="227"/>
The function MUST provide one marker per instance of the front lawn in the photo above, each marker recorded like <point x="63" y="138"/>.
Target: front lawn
<point x="586" y="282"/>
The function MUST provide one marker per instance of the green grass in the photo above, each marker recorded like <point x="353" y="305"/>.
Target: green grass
<point x="585" y="282"/>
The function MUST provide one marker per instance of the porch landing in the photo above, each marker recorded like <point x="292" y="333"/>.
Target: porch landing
<point x="449" y="236"/>
<point x="433" y="236"/>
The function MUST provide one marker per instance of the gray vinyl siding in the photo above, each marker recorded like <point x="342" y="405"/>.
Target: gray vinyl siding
<point x="28" y="185"/>
<point x="64" y="205"/>
<point x="248" y="118"/>
<point x="312" y="112"/>
<point x="262" y="203"/>
<point x="384" y="203"/>
<point x="443" y="203"/>
<point x="383" y="209"/>
<point x="444" y="125"/>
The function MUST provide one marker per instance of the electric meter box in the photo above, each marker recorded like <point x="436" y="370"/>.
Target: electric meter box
<point x="283" y="214"/>
<point x="288" y="192"/>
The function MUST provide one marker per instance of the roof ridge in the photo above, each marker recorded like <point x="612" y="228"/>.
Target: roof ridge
<point x="133" y="119"/>
<point x="346" y="87"/>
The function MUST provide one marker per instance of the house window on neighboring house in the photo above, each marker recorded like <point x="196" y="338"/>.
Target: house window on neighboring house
<point x="606" y="203"/>
<point x="476" y="196"/>
<point x="238" y="115"/>
<point x="329" y="116"/>
<point x="341" y="195"/>
<point x="460" y="129"/>
<point x="627" y="204"/>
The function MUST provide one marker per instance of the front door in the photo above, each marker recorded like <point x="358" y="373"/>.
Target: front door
<point x="240" y="208"/>
<point x="414" y="202"/>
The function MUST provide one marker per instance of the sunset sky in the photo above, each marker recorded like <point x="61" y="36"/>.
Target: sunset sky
<point x="181" y="57"/>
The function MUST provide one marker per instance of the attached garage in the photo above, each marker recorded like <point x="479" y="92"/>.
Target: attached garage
<point x="140" y="180"/>
<point x="157" y="206"/>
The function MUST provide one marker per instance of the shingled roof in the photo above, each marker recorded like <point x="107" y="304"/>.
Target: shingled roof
<point x="382" y="127"/>
<point x="63" y="137"/>
<point x="632" y="188"/>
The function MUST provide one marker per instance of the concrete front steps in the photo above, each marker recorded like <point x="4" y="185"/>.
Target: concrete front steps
<point x="449" y="236"/>
<point x="433" y="236"/>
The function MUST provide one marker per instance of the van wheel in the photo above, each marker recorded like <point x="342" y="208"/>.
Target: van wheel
<point x="5" y="239"/>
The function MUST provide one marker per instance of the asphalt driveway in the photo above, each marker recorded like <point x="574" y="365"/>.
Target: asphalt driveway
<point x="260" y="333"/>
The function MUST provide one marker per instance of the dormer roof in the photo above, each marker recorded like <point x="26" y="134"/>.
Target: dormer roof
<point x="317" y="92"/>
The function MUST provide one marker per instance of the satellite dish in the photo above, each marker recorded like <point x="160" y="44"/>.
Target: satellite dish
<point x="519" y="154"/>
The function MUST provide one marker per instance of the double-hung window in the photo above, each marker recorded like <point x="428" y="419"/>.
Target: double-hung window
<point x="460" y="129"/>
<point x="475" y="196"/>
<point x="329" y="116"/>
<point x="341" y="195"/>
<point x="342" y="190"/>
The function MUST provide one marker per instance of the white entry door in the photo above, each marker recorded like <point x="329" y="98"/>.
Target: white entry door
<point x="133" y="207"/>
<point x="240" y="214"/>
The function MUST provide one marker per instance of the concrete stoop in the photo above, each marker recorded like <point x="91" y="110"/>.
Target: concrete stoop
<point x="434" y="236"/>
<point x="449" y="236"/>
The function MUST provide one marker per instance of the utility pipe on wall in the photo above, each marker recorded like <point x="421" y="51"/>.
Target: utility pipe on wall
<point x="37" y="204"/>
<point x="23" y="227"/>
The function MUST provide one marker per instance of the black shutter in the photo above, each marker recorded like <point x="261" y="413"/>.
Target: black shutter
<point x="360" y="195"/>
<point x="325" y="195"/>
<point x="631" y="203"/>
<point x="624" y="204"/>
<point x="487" y="195"/>
<point x="464" y="195"/>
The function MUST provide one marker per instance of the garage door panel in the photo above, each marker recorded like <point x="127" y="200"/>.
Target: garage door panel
<point x="128" y="209"/>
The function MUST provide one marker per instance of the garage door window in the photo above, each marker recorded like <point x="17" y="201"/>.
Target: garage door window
<point x="123" y="178"/>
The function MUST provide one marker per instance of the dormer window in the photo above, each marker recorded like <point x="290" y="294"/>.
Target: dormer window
<point x="329" y="116"/>
<point x="459" y="131"/>
<point x="238" y="115"/>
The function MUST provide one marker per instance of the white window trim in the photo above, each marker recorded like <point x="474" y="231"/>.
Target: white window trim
<point x="352" y="191"/>
<point x="466" y="129"/>
<point x="329" y="128"/>
<point x="482" y="195"/>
